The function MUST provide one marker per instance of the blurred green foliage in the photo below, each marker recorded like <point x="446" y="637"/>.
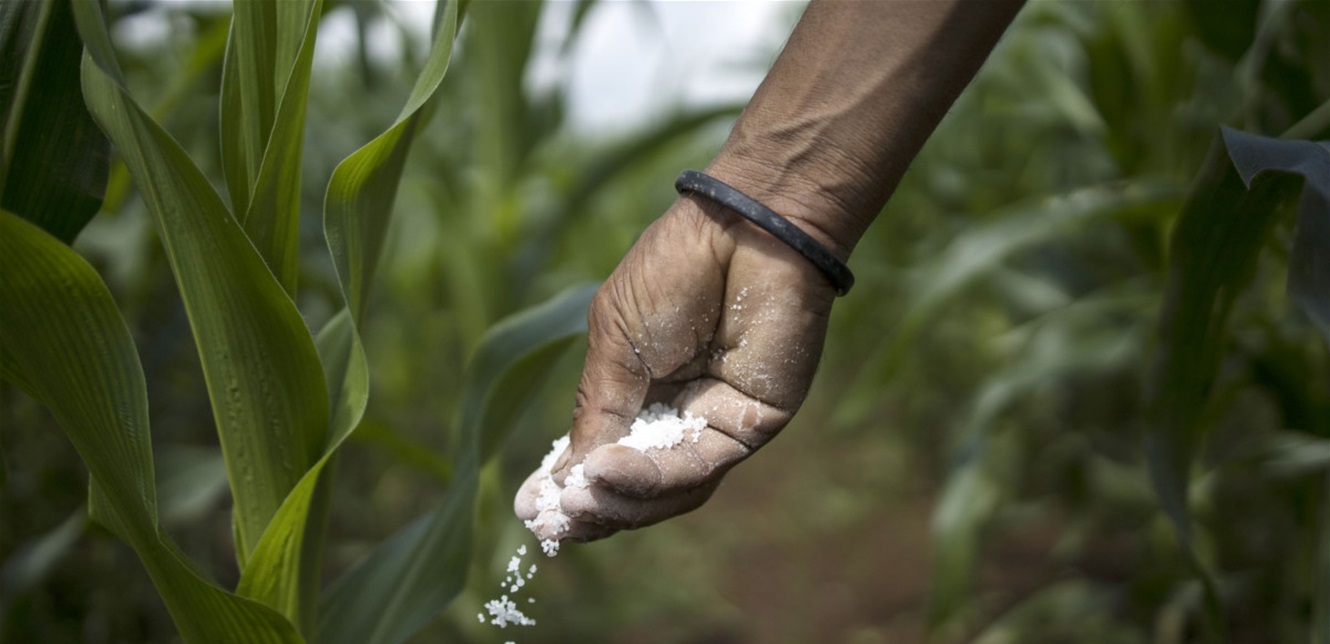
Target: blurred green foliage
<point x="969" y="465"/>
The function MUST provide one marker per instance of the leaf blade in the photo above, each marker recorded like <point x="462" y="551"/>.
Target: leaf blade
<point x="362" y="188"/>
<point x="1228" y="215"/>
<point x="54" y="166"/>
<point x="385" y="597"/>
<point x="1214" y="246"/>
<point x="365" y="183"/>
<point x="260" y="365"/>
<point x="63" y="341"/>
<point x="266" y="92"/>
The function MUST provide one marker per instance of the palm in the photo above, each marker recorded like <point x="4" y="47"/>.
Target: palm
<point x="713" y="317"/>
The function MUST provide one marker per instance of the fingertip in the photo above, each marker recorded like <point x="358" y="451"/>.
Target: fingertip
<point x="524" y="502"/>
<point x="625" y="470"/>
<point x="550" y="525"/>
<point x="601" y="506"/>
<point x="577" y="502"/>
<point x="598" y="505"/>
<point x="586" y="532"/>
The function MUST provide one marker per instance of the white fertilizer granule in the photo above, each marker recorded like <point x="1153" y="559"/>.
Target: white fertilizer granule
<point x="577" y="477"/>
<point x="549" y="514"/>
<point x="657" y="427"/>
<point x="504" y="611"/>
<point x="660" y="427"/>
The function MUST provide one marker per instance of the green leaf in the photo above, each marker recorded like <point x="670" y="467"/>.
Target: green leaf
<point x="207" y="53"/>
<point x="511" y="365"/>
<point x="1258" y="159"/>
<point x="1309" y="264"/>
<point x="265" y="90"/>
<point x="33" y="561"/>
<point x="249" y="97"/>
<point x="1084" y="337"/>
<point x="1073" y="610"/>
<point x="407" y="580"/>
<point x="63" y="341"/>
<point x="1321" y="612"/>
<point x="54" y="164"/>
<point x="1217" y="239"/>
<point x="190" y="480"/>
<point x="280" y="572"/>
<point x="1229" y="32"/>
<point x="364" y="185"/>
<point x="1232" y="207"/>
<point x="405" y="451"/>
<point x="359" y="199"/>
<point x="977" y="253"/>
<point x="1289" y="454"/>
<point x="262" y="371"/>
<point x="82" y="383"/>
<point x="496" y="65"/>
<point x="607" y="166"/>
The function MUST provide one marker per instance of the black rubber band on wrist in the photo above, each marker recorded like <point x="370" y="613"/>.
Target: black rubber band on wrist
<point x="700" y="183"/>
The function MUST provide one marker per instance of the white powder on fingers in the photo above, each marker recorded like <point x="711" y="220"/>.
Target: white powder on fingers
<point x="577" y="477"/>
<point x="550" y="517"/>
<point x="657" y="427"/>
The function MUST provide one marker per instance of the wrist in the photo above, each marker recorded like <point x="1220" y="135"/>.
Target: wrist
<point x="781" y="228"/>
<point x="820" y="196"/>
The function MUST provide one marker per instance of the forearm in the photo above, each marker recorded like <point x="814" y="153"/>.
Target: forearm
<point x="859" y="87"/>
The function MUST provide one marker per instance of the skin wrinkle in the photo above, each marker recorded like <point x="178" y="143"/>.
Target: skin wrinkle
<point x="725" y="320"/>
<point x="702" y="398"/>
<point x="626" y="513"/>
<point x="805" y="144"/>
<point x="625" y="329"/>
<point x="701" y="467"/>
<point x="857" y="113"/>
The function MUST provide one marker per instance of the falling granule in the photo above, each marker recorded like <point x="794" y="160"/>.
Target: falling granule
<point x="657" y="427"/>
<point x="550" y="546"/>
<point x="504" y="611"/>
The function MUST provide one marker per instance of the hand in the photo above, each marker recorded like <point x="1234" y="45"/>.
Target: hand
<point x="712" y="316"/>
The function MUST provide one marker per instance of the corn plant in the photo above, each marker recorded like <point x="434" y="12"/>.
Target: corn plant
<point x="284" y="399"/>
<point x="1140" y="309"/>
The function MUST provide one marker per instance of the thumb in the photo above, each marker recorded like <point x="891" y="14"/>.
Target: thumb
<point x="613" y="385"/>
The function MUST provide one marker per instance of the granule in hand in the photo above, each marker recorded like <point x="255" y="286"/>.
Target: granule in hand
<point x="656" y="427"/>
<point x="577" y="477"/>
<point x="661" y="427"/>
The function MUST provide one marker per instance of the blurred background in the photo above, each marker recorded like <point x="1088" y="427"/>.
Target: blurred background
<point x="968" y="464"/>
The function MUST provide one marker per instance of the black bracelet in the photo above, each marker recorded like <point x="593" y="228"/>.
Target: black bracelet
<point x="718" y="191"/>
